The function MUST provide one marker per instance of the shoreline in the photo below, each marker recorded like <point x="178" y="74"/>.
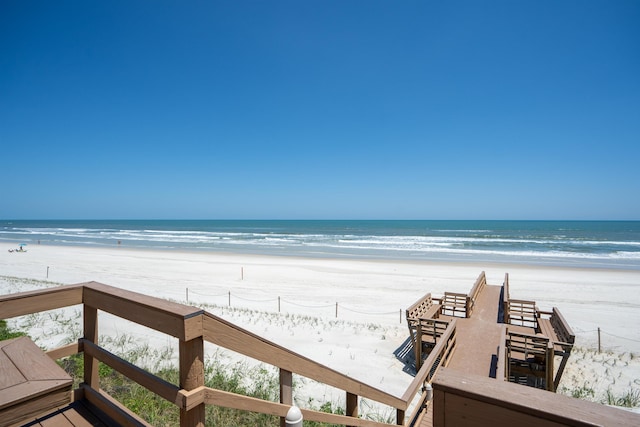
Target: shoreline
<point x="505" y="265"/>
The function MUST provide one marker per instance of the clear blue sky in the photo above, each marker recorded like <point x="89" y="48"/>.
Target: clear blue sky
<point x="320" y="109"/>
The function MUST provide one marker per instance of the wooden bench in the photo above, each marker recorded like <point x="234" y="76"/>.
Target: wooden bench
<point x="424" y="308"/>
<point x="558" y="331"/>
<point x="30" y="382"/>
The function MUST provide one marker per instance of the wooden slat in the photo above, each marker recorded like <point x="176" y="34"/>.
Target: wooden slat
<point x="149" y="381"/>
<point x="22" y="303"/>
<point x="113" y="409"/>
<point x="246" y="403"/>
<point x="232" y="337"/>
<point x="65" y="351"/>
<point x="174" y="319"/>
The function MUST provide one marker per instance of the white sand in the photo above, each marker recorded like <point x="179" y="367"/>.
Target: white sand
<point x="371" y="297"/>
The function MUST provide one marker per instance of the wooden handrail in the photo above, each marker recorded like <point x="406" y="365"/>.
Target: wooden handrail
<point x="188" y="323"/>
<point x="29" y="302"/>
<point x="439" y="356"/>
<point x="232" y="337"/>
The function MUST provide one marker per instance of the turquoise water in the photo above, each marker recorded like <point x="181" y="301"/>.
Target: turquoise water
<point x="610" y="244"/>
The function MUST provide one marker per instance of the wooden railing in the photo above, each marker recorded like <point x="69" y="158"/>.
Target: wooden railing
<point x="522" y="313"/>
<point x="439" y="357"/>
<point x="505" y="299"/>
<point x="464" y="400"/>
<point x="192" y="327"/>
<point x="478" y="286"/>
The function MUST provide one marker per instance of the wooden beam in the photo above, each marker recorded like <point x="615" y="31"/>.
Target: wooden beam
<point x="22" y="303"/>
<point x="65" y="351"/>
<point x="174" y="319"/>
<point x="156" y="385"/>
<point x="113" y="409"/>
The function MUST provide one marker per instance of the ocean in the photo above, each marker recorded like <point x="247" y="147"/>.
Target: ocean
<point x="599" y="244"/>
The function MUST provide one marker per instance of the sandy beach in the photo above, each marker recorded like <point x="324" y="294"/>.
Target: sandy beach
<point x="345" y="313"/>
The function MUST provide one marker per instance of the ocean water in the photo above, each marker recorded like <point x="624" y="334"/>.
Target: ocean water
<point x="604" y="244"/>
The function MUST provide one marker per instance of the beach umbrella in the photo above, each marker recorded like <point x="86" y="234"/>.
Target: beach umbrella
<point x="23" y="244"/>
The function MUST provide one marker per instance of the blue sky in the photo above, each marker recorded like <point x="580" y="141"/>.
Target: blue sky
<point x="320" y="109"/>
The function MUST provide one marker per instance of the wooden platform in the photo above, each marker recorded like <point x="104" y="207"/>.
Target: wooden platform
<point x="30" y="382"/>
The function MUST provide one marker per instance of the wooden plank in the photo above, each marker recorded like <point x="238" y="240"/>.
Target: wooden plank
<point x="22" y="303"/>
<point x="174" y="319"/>
<point x="246" y="403"/>
<point x="232" y="337"/>
<point x="157" y="385"/>
<point x="530" y="401"/>
<point x="30" y="409"/>
<point x="64" y="351"/>
<point x="122" y="416"/>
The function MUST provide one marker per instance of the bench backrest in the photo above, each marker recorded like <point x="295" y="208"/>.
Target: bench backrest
<point x="561" y="327"/>
<point x="419" y="307"/>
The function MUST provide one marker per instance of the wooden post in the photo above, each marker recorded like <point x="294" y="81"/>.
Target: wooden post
<point x="352" y="405"/>
<point x="241" y="273"/>
<point x="187" y="295"/>
<point x="229" y="298"/>
<point x="418" y="349"/>
<point x="192" y="377"/>
<point x="278" y="304"/>
<point x="91" y="374"/>
<point x="399" y="417"/>
<point x="47" y="272"/>
<point x="599" y="348"/>
<point x="549" y="366"/>
<point x="286" y="391"/>
<point x="336" y="309"/>
<point x="401" y="316"/>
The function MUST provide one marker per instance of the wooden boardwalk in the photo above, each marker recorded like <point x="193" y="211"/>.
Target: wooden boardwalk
<point x="477" y="340"/>
<point x="478" y="337"/>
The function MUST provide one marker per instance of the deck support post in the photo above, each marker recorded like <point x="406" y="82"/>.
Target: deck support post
<point x="90" y="325"/>
<point x="352" y="405"/>
<point x="191" y="377"/>
<point x="549" y="366"/>
<point x="399" y="417"/>
<point x="286" y="391"/>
